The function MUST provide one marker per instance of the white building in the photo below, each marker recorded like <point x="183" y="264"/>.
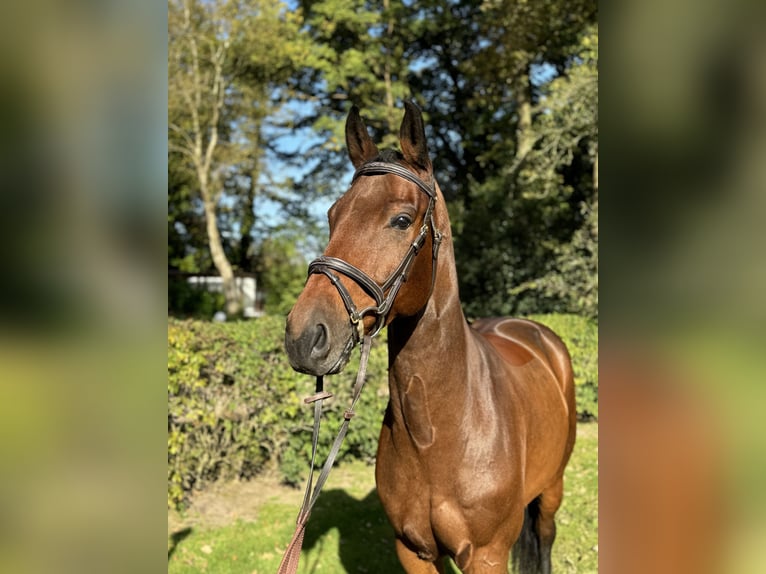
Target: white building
<point x="251" y="304"/>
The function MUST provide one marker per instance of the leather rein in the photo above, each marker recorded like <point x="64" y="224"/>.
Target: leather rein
<point x="384" y="295"/>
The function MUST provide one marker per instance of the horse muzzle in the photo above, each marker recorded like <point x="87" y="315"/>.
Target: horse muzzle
<point x="318" y="348"/>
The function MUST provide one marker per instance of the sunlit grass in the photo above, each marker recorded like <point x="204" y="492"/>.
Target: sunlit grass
<point x="348" y="531"/>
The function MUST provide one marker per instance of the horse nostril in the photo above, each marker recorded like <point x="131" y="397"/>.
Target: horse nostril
<point x="321" y="343"/>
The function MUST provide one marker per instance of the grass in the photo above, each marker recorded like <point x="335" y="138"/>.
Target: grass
<point x="348" y="531"/>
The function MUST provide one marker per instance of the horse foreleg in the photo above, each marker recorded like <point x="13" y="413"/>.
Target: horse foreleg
<point x="412" y="564"/>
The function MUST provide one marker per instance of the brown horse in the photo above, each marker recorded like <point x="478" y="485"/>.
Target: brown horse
<point x="481" y="419"/>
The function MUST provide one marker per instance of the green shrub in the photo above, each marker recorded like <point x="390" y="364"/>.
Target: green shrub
<point x="235" y="406"/>
<point x="185" y="300"/>
<point x="581" y="338"/>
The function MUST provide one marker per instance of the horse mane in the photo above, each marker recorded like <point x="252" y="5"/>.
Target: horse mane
<point x="389" y="156"/>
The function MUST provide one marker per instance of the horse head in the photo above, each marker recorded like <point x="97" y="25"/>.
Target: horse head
<point x="380" y="261"/>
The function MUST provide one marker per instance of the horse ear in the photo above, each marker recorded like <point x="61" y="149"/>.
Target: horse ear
<point x="360" y="146"/>
<point x="412" y="137"/>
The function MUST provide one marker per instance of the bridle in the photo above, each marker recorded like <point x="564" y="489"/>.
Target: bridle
<point x="384" y="296"/>
<point x="385" y="293"/>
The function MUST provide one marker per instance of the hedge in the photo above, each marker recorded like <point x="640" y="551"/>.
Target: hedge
<point x="235" y="406"/>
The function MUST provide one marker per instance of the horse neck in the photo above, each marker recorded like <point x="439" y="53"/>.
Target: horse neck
<point x="433" y="343"/>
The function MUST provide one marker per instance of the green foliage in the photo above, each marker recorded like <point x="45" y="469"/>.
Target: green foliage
<point x="186" y="300"/>
<point x="281" y="273"/>
<point x="566" y="127"/>
<point x="527" y="230"/>
<point x="581" y="338"/>
<point x="513" y="81"/>
<point x="574" y="278"/>
<point x="360" y="57"/>
<point x="235" y="408"/>
<point x="502" y="251"/>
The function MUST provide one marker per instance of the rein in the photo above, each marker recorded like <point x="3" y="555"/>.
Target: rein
<point x="384" y="296"/>
<point x="289" y="564"/>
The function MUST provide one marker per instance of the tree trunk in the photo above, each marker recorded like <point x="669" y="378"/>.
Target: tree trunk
<point x="200" y="96"/>
<point x="221" y="262"/>
<point x="523" y="95"/>
<point x="248" y="219"/>
<point x="595" y="172"/>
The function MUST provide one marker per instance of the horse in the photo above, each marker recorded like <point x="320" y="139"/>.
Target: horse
<point x="481" y="418"/>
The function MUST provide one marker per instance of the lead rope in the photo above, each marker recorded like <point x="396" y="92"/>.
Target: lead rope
<point x="289" y="564"/>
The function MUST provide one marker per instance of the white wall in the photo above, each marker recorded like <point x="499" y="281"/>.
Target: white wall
<point x="246" y="286"/>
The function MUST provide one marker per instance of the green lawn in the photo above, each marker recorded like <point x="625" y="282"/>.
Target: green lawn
<point x="348" y="531"/>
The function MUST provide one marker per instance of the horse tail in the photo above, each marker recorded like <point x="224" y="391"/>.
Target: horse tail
<point x="526" y="555"/>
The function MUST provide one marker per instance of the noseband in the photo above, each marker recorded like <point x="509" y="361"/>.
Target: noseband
<point x="384" y="294"/>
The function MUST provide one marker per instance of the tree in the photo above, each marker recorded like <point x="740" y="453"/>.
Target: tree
<point x="566" y="131"/>
<point x="226" y="61"/>
<point x="531" y="234"/>
<point x="359" y="58"/>
<point x="490" y="65"/>
<point x="199" y="51"/>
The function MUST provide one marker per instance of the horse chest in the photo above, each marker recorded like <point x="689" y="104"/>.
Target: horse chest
<point x="433" y="511"/>
<point x="445" y="494"/>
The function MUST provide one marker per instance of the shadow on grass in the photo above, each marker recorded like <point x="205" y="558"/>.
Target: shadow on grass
<point x="366" y="537"/>
<point x="176" y="538"/>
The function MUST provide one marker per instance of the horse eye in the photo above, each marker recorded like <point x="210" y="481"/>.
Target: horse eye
<point x="401" y="221"/>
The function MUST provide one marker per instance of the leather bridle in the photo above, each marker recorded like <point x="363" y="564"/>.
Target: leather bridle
<point x="385" y="293"/>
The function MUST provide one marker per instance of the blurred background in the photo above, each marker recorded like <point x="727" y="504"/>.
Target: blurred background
<point x="682" y="320"/>
<point x="82" y="327"/>
<point x="102" y="114"/>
